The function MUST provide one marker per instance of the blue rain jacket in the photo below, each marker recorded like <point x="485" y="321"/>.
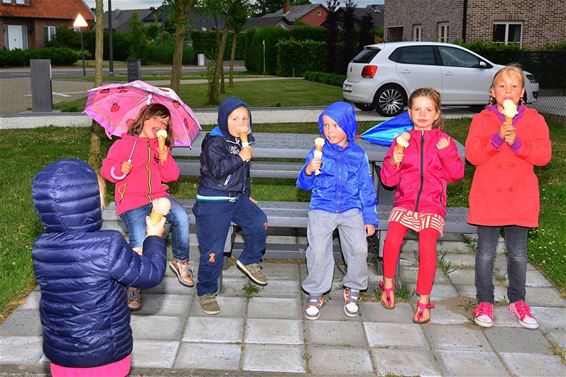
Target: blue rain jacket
<point x="83" y="271"/>
<point x="345" y="180"/>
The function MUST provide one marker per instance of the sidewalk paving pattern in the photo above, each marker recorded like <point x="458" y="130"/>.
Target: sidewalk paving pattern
<point x="266" y="334"/>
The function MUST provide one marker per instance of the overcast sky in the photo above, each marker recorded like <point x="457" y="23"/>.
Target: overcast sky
<point x="141" y="4"/>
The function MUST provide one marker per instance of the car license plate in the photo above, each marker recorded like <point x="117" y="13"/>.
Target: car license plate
<point x="347" y="88"/>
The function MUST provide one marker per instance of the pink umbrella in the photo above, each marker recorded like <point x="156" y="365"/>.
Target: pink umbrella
<point x="115" y="106"/>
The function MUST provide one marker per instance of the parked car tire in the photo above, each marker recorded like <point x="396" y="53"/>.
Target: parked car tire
<point x="390" y="100"/>
<point x="364" y="106"/>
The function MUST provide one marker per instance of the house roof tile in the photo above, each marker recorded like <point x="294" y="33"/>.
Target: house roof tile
<point x="51" y="9"/>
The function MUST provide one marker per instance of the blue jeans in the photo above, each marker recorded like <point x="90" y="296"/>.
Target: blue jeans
<point x="516" y="247"/>
<point x="177" y="216"/>
<point x="213" y="220"/>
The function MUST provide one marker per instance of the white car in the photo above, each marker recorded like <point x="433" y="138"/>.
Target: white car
<point x="382" y="76"/>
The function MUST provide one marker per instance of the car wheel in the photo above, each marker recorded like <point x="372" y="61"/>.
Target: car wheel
<point x="364" y="106"/>
<point x="390" y="100"/>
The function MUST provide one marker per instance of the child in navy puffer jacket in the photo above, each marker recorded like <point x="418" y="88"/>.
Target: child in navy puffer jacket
<point x="342" y="197"/>
<point x="83" y="273"/>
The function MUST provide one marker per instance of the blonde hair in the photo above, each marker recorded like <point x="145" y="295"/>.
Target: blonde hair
<point x="149" y="111"/>
<point x="435" y="97"/>
<point x="508" y="68"/>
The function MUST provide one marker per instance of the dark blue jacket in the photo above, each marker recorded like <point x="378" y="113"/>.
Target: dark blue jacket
<point x="222" y="171"/>
<point x="83" y="271"/>
<point x="345" y="180"/>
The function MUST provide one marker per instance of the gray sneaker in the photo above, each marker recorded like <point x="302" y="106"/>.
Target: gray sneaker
<point x="208" y="304"/>
<point x="253" y="271"/>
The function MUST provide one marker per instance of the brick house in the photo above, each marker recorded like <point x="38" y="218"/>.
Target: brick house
<point x="30" y="23"/>
<point x="309" y="14"/>
<point x="530" y="24"/>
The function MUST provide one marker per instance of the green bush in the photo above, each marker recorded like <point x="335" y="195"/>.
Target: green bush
<point x="21" y="58"/>
<point x="303" y="33"/>
<point x="162" y="53"/>
<point x="296" y="57"/>
<point x="206" y="42"/>
<point x="325" y="77"/>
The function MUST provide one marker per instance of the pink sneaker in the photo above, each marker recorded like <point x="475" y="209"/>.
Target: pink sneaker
<point x="522" y="311"/>
<point x="484" y="314"/>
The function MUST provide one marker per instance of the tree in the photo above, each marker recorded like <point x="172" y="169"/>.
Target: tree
<point x="331" y="25"/>
<point x="238" y="15"/>
<point x="137" y="36"/>
<point x="263" y="7"/>
<point x="94" y="153"/>
<point x="349" y="47"/>
<point x="180" y="10"/>
<point x="366" y="30"/>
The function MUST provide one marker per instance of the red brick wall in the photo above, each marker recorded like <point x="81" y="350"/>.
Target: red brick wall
<point x="313" y="17"/>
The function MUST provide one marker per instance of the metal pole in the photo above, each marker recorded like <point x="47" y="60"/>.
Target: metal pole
<point x="110" y="46"/>
<point x="264" y="56"/>
<point x="82" y="51"/>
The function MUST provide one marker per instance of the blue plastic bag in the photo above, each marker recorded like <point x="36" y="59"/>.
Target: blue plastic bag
<point x="385" y="132"/>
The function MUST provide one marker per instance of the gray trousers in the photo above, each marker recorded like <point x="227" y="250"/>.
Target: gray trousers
<point x="320" y="258"/>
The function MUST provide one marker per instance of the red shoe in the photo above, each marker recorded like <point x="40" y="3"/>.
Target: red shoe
<point x="419" y="315"/>
<point x="387" y="298"/>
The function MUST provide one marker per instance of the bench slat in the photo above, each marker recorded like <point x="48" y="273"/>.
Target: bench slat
<point x="257" y="170"/>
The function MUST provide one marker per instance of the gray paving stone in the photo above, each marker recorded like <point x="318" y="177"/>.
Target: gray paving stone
<point x="461" y="260"/>
<point x="154" y="353"/>
<point x="503" y="318"/>
<point x="500" y="293"/>
<point x="233" y="286"/>
<point x="522" y="364"/>
<point x="336" y="333"/>
<point x="333" y="310"/>
<point x="283" y="331"/>
<point x="457" y="337"/>
<point x="472" y="363"/>
<point x="549" y="317"/>
<point x="557" y="338"/>
<point x="339" y="361"/>
<point x="536" y="279"/>
<point x="22" y="322"/>
<point x="171" y="285"/>
<point x="405" y="362"/>
<point x="213" y="329"/>
<point x="144" y="327"/>
<point x="21" y="350"/>
<point x="32" y="301"/>
<point x="281" y="271"/>
<point x="439" y="292"/>
<point x="462" y="277"/>
<point x="161" y="304"/>
<point x="375" y="312"/>
<point x="544" y="297"/>
<point x="410" y="274"/>
<point x="517" y="340"/>
<point x="230" y="306"/>
<point x="274" y="358"/>
<point x="209" y="356"/>
<point x="281" y="288"/>
<point x="444" y="315"/>
<point x="395" y="335"/>
<point x="275" y="308"/>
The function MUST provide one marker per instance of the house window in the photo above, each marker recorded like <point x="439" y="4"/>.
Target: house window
<point x="417" y="33"/>
<point x="443" y="32"/>
<point x="318" y="13"/>
<point x="48" y="33"/>
<point x="7" y="1"/>
<point x="508" y="32"/>
<point x="22" y="2"/>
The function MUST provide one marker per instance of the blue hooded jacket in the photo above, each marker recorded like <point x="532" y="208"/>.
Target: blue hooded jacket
<point x="222" y="171"/>
<point x="345" y="180"/>
<point x="83" y="271"/>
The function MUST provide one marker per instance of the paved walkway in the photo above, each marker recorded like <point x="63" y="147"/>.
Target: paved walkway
<point x="265" y="334"/>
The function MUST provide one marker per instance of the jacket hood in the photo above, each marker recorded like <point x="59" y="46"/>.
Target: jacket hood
<point x="344" y="115"/>
<point x="67" y="198"/>
<point x="226" y="107"/>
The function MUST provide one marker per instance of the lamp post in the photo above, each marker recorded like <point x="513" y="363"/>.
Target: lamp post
<point x="79" y="23"/>
<point x="110" y="45"/>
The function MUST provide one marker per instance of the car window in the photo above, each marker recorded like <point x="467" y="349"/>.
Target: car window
<point x="366" y="55"/>
<point x="454" y="57"/>
<point x="423" y="55"/>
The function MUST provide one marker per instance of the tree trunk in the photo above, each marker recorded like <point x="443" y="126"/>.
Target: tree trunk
<point x="213" y="93"/>
<point x="94" y="153"/>
<point x="180" y="31"/>
<point x="232" y="58"/>
<point x="222" y="85"/>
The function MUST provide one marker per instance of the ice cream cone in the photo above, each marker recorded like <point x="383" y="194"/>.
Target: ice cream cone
<point x="161" y="207"/>
<point x="244" y="139"/>
<point x="402" y="143"/>
<point x="318" y="145"/>
<point x="509" y="110"/>
<point x="161" y="138"/>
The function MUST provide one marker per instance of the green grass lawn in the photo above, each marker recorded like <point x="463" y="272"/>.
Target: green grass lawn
<point x="25" y="152"/>
<point x="274" y="93"/>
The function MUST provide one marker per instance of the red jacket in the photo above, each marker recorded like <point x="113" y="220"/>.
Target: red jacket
<point x="144" y="182"/>
<point x="422" y="176"/>
<point x="505" y="188"/>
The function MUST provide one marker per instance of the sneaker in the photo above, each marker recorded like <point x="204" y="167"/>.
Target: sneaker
<point x="208" y="304"/>
<point x="483" y="314"/>
<point x="253" y="271"/>
<point x="522" y="311"/>
<point x="184" y="272"/>
<point x="314" y="303"/>
<point x="351" y="302"/>
<point x="134" y="298"/>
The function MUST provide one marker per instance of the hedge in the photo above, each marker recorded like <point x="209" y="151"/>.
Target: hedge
<point x="296" y="57"/>
<point x="206" y="42"/>
<point x="325" y="78"/>
<point x="21" y="58"/>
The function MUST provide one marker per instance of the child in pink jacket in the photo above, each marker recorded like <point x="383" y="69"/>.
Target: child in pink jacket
<point x="420" y="171"/>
